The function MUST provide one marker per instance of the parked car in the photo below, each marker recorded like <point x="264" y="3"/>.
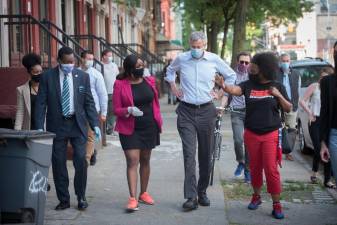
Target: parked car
<point x="309" y="69"/>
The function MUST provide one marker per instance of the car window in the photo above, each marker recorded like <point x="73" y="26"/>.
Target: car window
<point x="309" y="74"/>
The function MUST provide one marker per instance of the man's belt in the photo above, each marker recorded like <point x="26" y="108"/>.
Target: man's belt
<point x="239" y="109"/>
<point x="196" y="106"/>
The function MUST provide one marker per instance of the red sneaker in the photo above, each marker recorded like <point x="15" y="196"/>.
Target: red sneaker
<point x="146" y="199"/>
<point x="277" y="211"/>
<point x="255" y="202"/>
<point x="132" y="205"/>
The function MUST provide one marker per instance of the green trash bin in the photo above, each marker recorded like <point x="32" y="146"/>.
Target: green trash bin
<point x="25" y="158"/>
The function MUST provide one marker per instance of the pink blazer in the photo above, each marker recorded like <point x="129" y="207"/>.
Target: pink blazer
<point x="122" y="98"/>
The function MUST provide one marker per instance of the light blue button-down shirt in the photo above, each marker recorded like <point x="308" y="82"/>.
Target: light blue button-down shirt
<point x="286" y="84"/>
<point x="98" y="90"/>
<point x="197" y="75"/>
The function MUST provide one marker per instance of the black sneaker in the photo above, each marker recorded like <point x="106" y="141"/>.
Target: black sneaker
<point x="93" y="158"/>
<point x="190" y="204"/>
<point x="203" y="200"/>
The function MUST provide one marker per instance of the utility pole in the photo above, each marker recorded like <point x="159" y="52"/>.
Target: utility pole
<point x="328" y="28"/>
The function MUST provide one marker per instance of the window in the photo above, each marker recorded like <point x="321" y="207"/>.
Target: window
<point x="309" y="74"/>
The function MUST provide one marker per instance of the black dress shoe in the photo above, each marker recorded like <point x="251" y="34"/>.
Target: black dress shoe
<point x="190" y="204"/>
<point x="82" y="204"/>
<point x="62" y="206"/>
<point x="93" y="158"/>
<point x="203" y="200"/>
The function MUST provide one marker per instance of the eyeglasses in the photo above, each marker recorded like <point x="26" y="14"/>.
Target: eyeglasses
<point x="244" y="62"/>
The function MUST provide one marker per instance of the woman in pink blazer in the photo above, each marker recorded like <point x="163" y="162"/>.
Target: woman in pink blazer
<point x="139" y="122"/>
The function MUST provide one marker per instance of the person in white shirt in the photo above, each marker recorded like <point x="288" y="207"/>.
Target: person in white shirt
<point x="146" y="70"/>
<point x="99" y="93"/>
<point x="110" y="73"/>
<point x="196" y="112"/>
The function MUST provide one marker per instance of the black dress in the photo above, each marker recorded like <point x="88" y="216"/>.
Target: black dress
<point x="32" y="111"/>
<point x="32" y="107"/>
<point x="146" y="133"/>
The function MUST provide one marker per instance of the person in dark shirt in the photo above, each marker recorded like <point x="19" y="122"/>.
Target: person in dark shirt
<point x="139" y="122"/>
<point x="264" y="98"/>
<point x="328" y="118"/>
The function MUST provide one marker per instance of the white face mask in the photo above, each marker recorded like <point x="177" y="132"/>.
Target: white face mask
<point x="110" y="59"/>
<point x="89" y="63"/>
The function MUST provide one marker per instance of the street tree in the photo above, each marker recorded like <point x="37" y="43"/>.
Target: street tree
<point x="258" y="11"/>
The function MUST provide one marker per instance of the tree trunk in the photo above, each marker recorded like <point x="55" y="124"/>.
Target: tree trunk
<point x="239" y="28"/>
<point x="212" y="37"/>
<point x="224" y="39"/>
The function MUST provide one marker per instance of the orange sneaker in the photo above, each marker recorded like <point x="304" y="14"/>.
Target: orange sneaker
<point x="132" y="205"/>
<point x="146" y="199"/>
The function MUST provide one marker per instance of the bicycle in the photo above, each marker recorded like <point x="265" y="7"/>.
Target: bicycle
<point x="217" y="142"/>
<point x="218" y="138"/>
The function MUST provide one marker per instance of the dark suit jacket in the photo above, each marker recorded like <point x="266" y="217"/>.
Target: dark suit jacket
<point x="294" y="79"/>
<point x="328" y="85"/>
<point x="49" y="98"/>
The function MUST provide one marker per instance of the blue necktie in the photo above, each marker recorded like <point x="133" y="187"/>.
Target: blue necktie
<point x="65" y="97"/>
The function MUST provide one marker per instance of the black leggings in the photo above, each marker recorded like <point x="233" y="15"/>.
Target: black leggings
<point x="314" y="134"/>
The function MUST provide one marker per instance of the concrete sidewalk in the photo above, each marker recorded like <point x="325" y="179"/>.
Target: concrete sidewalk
<point x="107" y="190"/>
<point x="108" y="193"/>
<point x="321" y="209"/>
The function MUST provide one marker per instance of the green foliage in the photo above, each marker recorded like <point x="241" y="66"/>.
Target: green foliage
<point x="279" y="11"/>
<point x="199" y="14"/>
<point x="132" y="3"/>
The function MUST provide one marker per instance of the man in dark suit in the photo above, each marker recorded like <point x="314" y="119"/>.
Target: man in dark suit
<point x="291" y="80"/>
<point x="64" y="92"/>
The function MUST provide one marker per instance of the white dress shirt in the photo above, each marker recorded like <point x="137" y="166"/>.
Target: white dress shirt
<point x="71" y="89"/>
<point x="98" y="90"/>
<point x="110" y="73"/>
<point x="197" y="75"/>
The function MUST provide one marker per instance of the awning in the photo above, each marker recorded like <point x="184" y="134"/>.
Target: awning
<point x="164" y="44"/>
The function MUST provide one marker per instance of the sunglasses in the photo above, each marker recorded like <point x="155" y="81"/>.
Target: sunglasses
<point x="244" y="62"/>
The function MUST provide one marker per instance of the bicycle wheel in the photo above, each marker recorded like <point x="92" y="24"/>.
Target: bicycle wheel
<point x="212" y="167"/>
<point x="217" y="145"/>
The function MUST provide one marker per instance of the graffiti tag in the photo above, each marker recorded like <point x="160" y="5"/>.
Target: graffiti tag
<point x="38" y="183"/>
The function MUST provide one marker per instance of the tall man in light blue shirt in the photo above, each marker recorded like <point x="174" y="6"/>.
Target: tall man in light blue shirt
<point x="100" y="95"/>
<point x="196" y="112"/>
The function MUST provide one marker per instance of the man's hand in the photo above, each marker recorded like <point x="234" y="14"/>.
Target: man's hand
<point x="219" y="81"/>
<point x="103" y="118"/>
<point x="312" y="118"/>
<point x="325" y="155"/>
<point x="177" y="92"/>
<point x="133" y="110"/>
<point x="97" y="133"/>
<point x="275" y="92"/>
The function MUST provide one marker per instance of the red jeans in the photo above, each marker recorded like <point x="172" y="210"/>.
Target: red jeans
<point x="262" y="152"/>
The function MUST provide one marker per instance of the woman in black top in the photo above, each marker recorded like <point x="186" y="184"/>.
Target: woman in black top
<point x="328" y="117"/>
<point x="26" y="93"/>
<point x="264" y="99"/>
<point x="136" y="105"/>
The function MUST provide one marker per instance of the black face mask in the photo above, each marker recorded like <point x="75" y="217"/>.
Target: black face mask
<point x="138" y="73"/>
<point x="36" y="78"/>
<point x="254" y="78"/>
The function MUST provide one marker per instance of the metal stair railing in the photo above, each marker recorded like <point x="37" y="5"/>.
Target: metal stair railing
<point x="26" y="22"/>
<point x="102" y="43"/>
<point x="69" y="40"/>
